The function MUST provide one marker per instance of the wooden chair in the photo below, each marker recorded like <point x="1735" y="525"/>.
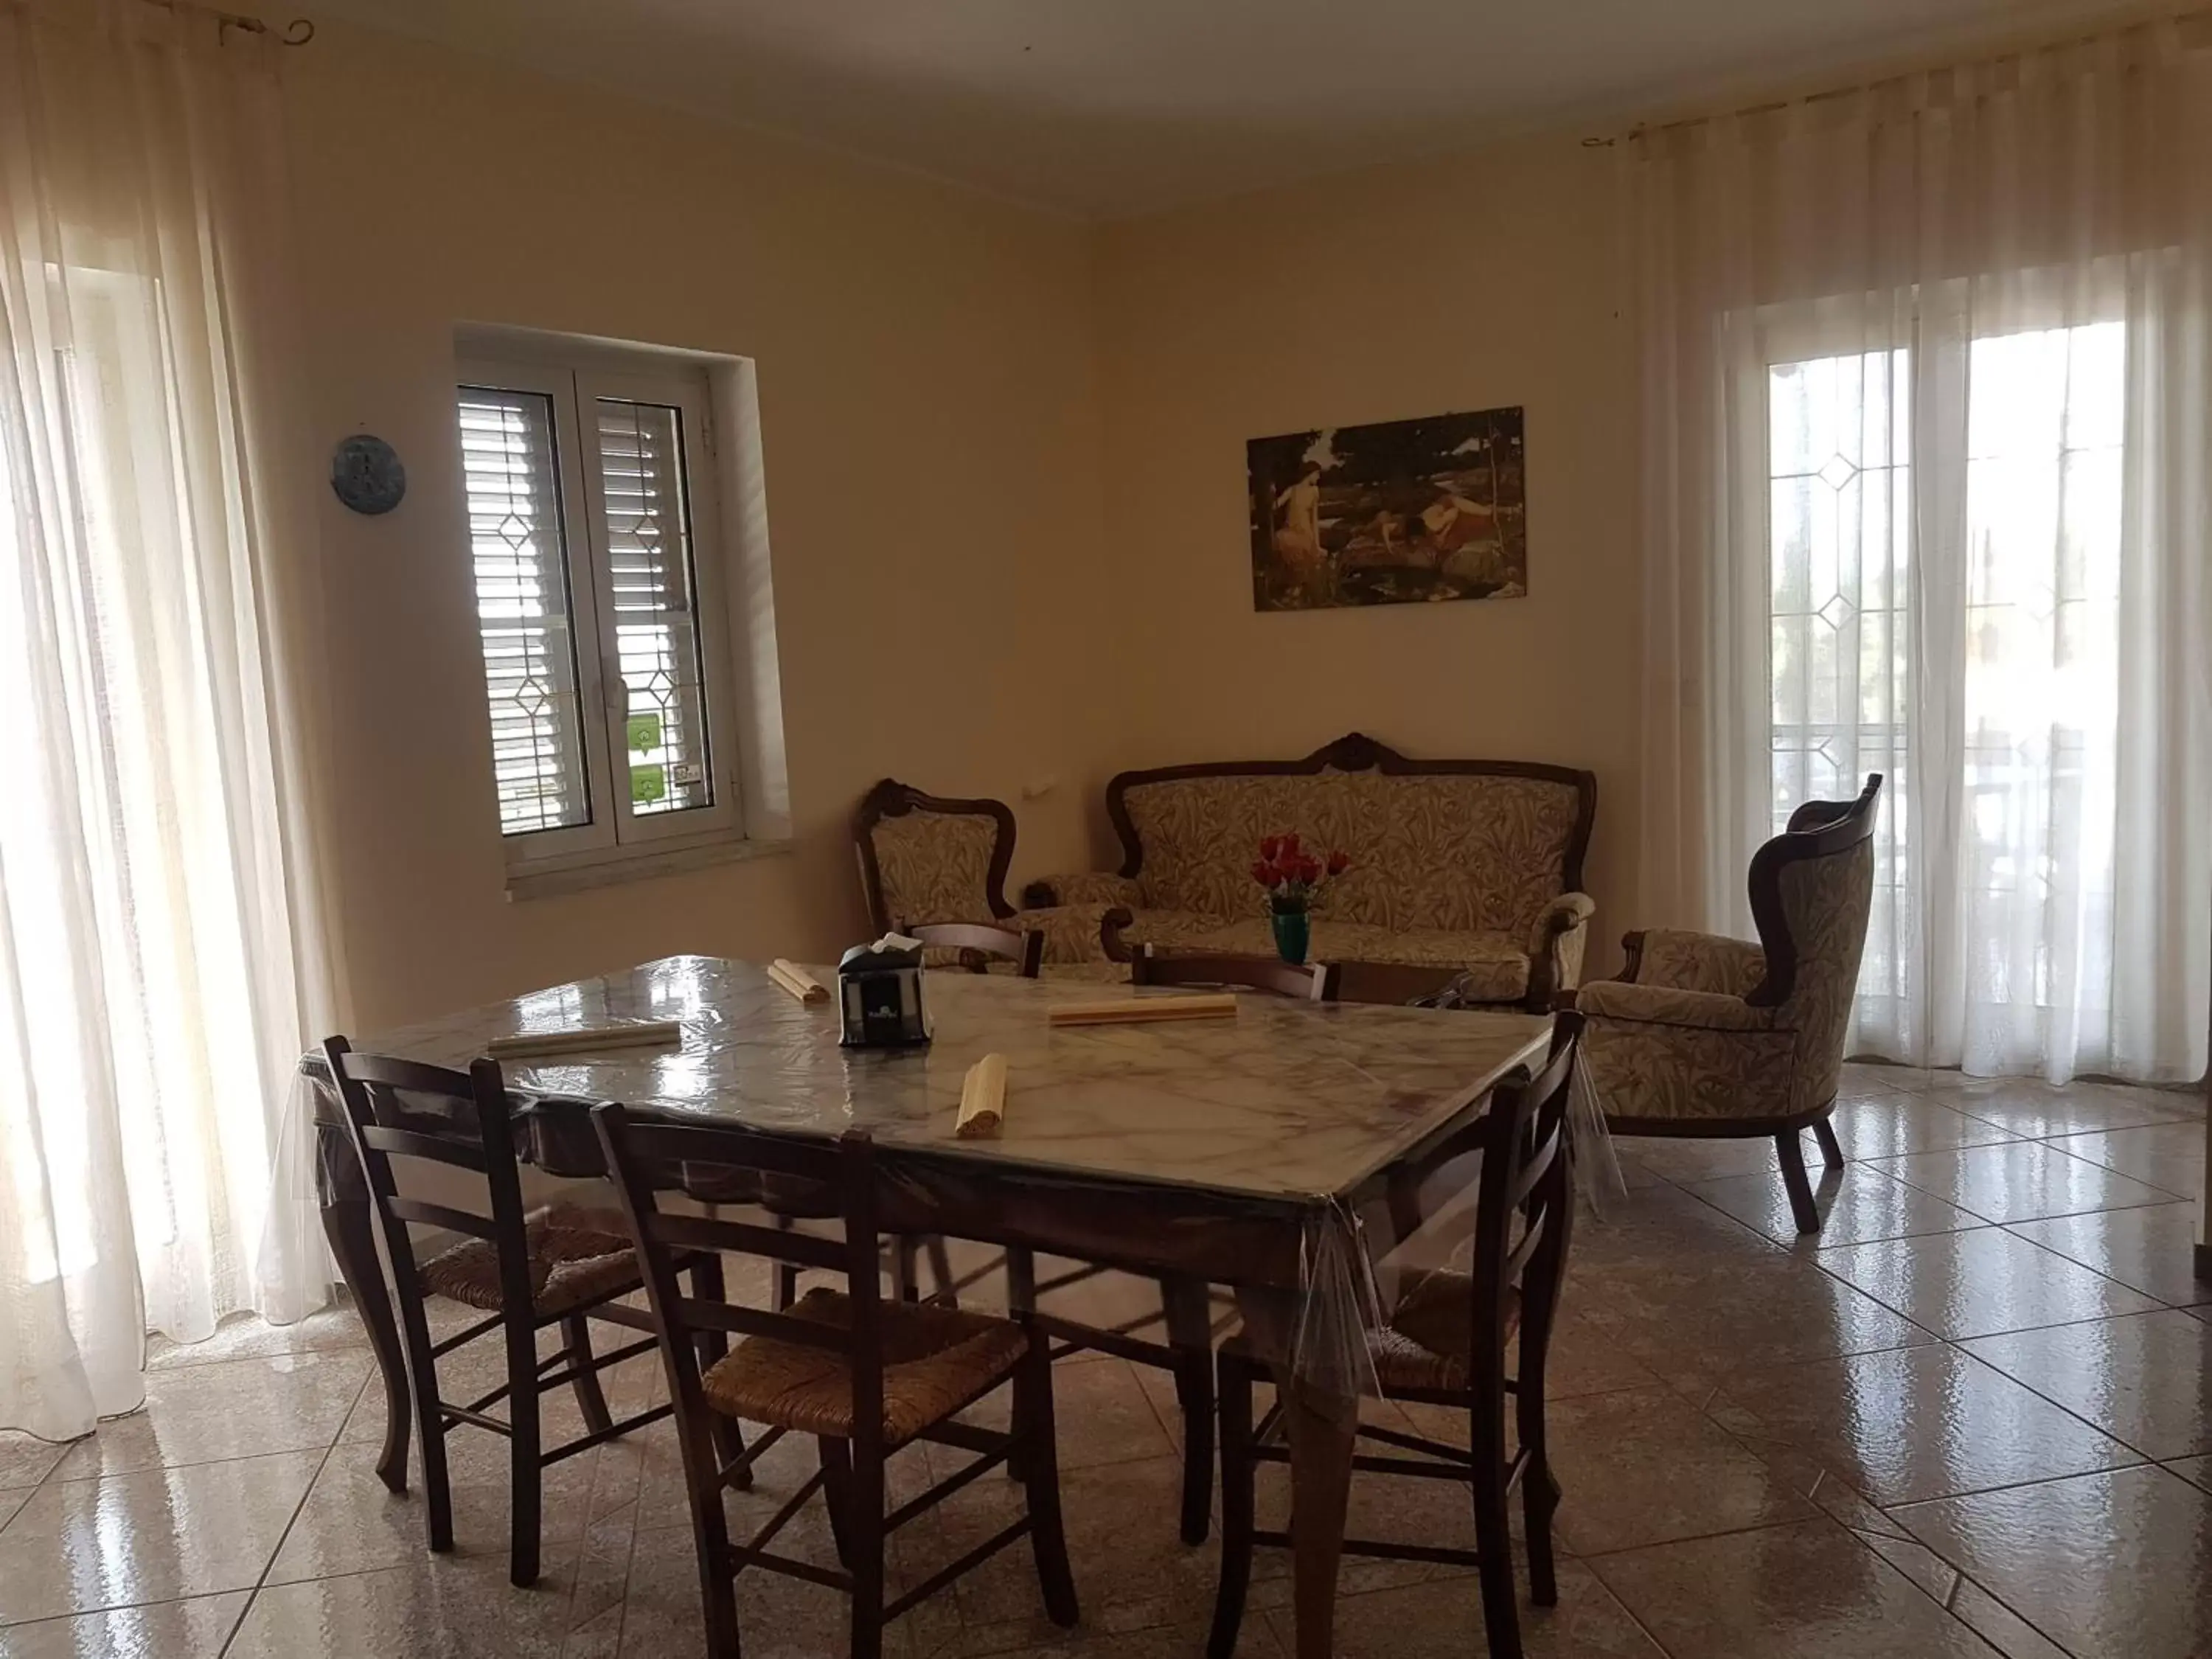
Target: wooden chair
<point x="566" y="1267"/>
<point x="980" y="945"/>
<point x="864" y="1374"/>
<point x="1314" y="981"/>
<point x="1446" y="1344"/>
<point x="1187" y="1306"/>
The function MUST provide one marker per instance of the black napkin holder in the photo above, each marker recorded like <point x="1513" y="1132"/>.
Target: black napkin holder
<point x="879" y="995"/>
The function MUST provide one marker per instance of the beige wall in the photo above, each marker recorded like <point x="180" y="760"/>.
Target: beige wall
<point x="1465" y="283"/>
<point x="1004" y="473"/>
<point x="925" y="372"/>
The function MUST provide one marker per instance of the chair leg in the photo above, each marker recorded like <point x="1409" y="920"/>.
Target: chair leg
<point x="941" y="1269"/>
<point x="729" y="1435"/>
<point x="431" y="1429"/>
<point x="837" y="1491"/>
<point x="1493" y="1536"/>
<point x="1034" y="1424"/>
<point x="718" y="1593"/>
<point x="1021" y="1298"/>
<point x="524" y="1449"/>
<point x="864" y="1546"/>
<point x="1539" y="1491"/>
<point x="1190" y="1331"/>
<point x="1831" y="1151"/>
<point x="591" y="1400"/>
<point x="1793" y="1180"/>
<point x="905" y="1282"/>
<point x="787" y="1273"/>
<point x="1238" y="1472"/>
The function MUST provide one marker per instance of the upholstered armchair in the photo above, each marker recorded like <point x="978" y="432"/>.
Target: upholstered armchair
<point x="926" y="859"/>
<point x="1712" y="1036"/>
<point x="929" y="858"/>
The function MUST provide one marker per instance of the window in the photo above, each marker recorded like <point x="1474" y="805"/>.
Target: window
<point x="1945" y="610"/>
<point x="599" y="608"/>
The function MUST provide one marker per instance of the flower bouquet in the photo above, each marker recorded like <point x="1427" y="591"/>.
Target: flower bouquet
<point x="1294" y="879"/>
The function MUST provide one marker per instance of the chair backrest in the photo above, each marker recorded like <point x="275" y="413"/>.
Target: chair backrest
<point x="1812" y="892"/>
<point x="975" y="946"/>
<point x="930" y="858"/>
<point x="1314" y="981"/>
<point x="1523" y="1207"/>
<point x="1524" y="1210"/>
<point x="648" y="1159"/>
<point x="402" y="1109"/>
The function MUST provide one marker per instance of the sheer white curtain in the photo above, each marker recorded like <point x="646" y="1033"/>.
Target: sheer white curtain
<point x="1927" y="416"/>
<point x="163" y="947"/>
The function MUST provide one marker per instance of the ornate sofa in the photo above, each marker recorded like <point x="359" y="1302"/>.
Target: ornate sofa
<point x="1470" y="867"/>
<point x="1711" y="1036"/>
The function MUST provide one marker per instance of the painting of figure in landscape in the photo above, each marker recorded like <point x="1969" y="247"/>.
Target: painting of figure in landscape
<point x="1396" y="512"/>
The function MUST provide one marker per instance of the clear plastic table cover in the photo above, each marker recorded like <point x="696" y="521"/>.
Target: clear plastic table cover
<point x="1235" y="1150"/>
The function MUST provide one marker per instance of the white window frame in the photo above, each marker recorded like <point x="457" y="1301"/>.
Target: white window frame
<point x="573" y="383"/>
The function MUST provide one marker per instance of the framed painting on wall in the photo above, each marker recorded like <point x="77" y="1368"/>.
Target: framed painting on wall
<point x="1393" y="512"/>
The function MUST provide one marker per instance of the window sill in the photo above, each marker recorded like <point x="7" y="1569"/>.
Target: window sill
<point x="638" y="867"/>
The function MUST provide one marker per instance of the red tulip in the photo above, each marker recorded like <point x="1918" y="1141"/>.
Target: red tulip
<point x="1339" y="862"/>
<point x="1291" y="845"/>
<point x="1271" y="848"/>
<point x="1262" y="874"/>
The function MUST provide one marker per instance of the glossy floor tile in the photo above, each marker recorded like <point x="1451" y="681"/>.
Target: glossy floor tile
<point x="207" y="1413"/>
<point x="1809" y="1589"/>
<point x="1979" y="1283"/>
<point x="1917" y="1422"/>
<point x="2166" y="1155"/>
<point x="2028" y="1107"/>
<point x="2150" y="1249"/>
<point x="2145" y="1379"/>
<point x="1646" y="1466"/>
<point x="2021" y="1181"/>
<point x="2117" y="1564"/>
<point x="196" y="1629"/>
<point x="1860" y="1204"/>
<point x="1926" y="1431"/>
<point x="1891" y="1125"/>
<point x="157" y="1535"/>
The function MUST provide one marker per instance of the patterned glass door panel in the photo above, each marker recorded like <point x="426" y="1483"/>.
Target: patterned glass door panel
<point x="525" y="617"/>
<point x="1839" y="448"/>
<point x="654" y="598"/>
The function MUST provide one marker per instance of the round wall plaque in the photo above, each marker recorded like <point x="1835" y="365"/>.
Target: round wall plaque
<point x="366" y="474"/>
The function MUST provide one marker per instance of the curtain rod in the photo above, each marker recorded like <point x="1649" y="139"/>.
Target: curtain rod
<point x="297" y="32"/>
<point x="2196" y="15"/>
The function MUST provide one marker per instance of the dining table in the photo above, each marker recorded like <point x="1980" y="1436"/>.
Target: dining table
<point x="1252" y="1151"/>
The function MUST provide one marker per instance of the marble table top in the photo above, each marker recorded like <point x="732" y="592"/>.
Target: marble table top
<point x="1288" y="1099"/>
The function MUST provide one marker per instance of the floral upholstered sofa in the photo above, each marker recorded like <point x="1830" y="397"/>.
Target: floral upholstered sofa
<point x="1468" y="866"/>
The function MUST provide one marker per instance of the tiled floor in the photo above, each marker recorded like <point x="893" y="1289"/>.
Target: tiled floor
<point x="1974" y="1417"/>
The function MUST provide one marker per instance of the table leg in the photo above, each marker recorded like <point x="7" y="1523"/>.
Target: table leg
<point x="349" y="1225"/>
<point x="1321" y="1426"/>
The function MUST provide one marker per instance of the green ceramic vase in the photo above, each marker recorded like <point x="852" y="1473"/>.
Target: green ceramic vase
<point x="1293" y="934"/>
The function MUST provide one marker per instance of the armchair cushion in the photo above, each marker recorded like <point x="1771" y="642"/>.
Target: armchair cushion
<point x="1665" y="1004"/>
<point x="1699" y="961"/>
<point x="1097" y="887"/>
<point x="1071" y="931"/>
<point x="1644" y="1072"/>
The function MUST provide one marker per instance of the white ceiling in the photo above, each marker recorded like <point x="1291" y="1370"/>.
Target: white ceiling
<point x="1112" y="108"/>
